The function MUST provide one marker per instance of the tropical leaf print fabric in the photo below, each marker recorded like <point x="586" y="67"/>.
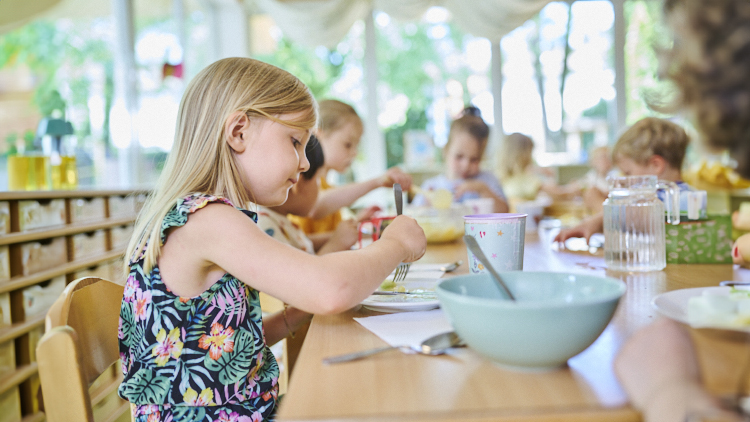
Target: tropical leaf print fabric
<point x="194" y="359"/>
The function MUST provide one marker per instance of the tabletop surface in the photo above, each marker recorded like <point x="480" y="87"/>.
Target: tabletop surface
<point x="468" y="387"/>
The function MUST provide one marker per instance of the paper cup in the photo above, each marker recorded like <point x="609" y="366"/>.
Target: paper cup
<point x="501" y="238"/>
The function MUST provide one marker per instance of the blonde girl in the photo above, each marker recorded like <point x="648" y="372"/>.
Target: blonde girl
<point x="340" y="130"/>
<point x="192" y="340"/>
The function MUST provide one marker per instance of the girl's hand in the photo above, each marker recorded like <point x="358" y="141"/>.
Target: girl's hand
<point x="587" y="228"/>
<point x="472" y="186"/>
<point x="409" y="234"/>
<point x="345" y="235"/>
<point x="396" y="175"/>
<point x="367" y="213"/>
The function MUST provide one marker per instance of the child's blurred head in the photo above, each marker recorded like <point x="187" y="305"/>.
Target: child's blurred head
<point x="600" y="160"/>
<point x="339" y="132"/>
<point x="650" y="147"/>
<point x="467" y="141"/>
<point x="304" y="193"/>
<point x="516" y="154"/>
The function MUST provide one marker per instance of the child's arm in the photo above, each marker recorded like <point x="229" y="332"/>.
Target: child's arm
<point x="342" y="239"/>
<point x="275" y="327"/>
<point x="659" y="370"/>
<point x="589" y="226"/>
<point x="331" y="200"/>
<point x="324" y="284"/>
<point x="500" y="205"/>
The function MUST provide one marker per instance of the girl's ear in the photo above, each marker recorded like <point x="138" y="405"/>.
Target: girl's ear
<point x="236" y="131"/>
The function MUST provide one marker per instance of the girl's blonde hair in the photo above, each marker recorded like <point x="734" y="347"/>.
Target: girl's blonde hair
<point x="653" y="136"/>
<point x="201" y="160"/>
<point x="515" y="155"/>
<point x="334" y="114"/>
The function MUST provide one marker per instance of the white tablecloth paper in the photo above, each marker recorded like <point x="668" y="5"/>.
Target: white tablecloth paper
<point x="407" y="328"/>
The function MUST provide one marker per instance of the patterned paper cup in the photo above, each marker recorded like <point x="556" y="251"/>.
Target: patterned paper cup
<point x="501" y="238"/>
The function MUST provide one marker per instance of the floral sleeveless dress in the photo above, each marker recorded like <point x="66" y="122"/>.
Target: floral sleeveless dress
<point x="194" y="359"/>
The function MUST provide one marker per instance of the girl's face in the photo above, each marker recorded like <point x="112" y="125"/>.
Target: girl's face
<point x="273" y="159"/>
<point x="340" y="146"/>
<point x="462" y="157"/>
<point x="302" y="197"/>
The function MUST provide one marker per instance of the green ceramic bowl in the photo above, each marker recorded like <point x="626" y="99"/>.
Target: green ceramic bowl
<point x="555" y="317"/>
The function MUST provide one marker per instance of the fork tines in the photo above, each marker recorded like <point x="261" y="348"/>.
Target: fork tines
<point x="401" y="271"/>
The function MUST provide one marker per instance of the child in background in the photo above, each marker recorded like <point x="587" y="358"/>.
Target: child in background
<point x="302" y="197"/>
<point x="593" y="186"/>
<point x="197" y="260"/>
<point x="340" y="130"/>
<point x="651" y="146"/>
<point x="467" y="140"/>
<point x="522" y="179"/>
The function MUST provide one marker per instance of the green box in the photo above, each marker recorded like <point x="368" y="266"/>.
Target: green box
<point x="700" y="242"/>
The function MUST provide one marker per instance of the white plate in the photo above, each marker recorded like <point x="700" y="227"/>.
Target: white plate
<point x="674" y="304"/>
<point x="404" y="303"/>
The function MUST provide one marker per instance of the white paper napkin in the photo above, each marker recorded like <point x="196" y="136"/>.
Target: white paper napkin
<point x="407" y="328"/>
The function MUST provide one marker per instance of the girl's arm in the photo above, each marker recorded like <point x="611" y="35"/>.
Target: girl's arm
<point x="324" y="284"/>
<point x="331" y="200"/>
<point x="276" y="329"/>
<point x="500" y="204"/>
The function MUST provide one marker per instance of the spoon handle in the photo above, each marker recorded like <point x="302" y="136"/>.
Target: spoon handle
<point x="399" y="197"/>
<point x="357" y="355"/>
<point x="477" y="251"/>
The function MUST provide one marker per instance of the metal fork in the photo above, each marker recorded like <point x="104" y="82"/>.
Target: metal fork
<point x="403" y="268"/>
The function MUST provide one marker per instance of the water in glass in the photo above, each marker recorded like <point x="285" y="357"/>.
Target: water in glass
<point x="634" y="222"/>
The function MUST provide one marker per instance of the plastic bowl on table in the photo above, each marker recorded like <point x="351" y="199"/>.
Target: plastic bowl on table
<point x="441" y="225"/>
<point x="555" y="317"/>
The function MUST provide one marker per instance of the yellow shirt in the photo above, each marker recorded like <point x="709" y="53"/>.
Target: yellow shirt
<point x="318" y="225"/>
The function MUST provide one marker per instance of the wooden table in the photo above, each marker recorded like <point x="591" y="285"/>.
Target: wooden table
<point x="468" y="387"/>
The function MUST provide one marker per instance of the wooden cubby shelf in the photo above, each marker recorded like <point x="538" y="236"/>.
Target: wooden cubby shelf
<point x="102" y="215"/>
<point x="66" y="230"/>
<point x="18" y="376"/>
<point x="20" y="328"/>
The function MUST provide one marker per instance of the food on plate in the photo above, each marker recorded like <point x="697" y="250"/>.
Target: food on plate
<point x="720" y="309"/>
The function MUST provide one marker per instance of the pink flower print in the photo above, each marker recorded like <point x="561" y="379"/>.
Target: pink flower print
<point x="149" y="409"/>
<point x="191" y="397"/>
<point x="231" y="417"/>
<point x="154" y="417"/>
<point x="244" y="419"/>
<point x="219" y="341"/>
<point x="130" y="288"/>
<point x="256" y="417"/>
<point x="167" y="345"/>
<point x="124" y="362"/>
<point x="141" y="307"/>
<point x="120" y="333"/>
<point x="494" y="255"/>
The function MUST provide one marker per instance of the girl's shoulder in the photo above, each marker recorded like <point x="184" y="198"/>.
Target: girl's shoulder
<point x="178" y="215"/>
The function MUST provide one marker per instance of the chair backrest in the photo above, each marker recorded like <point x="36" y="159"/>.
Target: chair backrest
<point x="79" y="344"/>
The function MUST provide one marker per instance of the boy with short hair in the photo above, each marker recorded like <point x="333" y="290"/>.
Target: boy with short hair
<point x="650" y="147"/>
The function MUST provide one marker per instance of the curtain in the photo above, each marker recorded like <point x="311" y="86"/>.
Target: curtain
<point x="326" y="22"/>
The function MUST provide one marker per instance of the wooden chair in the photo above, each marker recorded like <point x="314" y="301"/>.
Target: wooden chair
<point x="77" y="353"/>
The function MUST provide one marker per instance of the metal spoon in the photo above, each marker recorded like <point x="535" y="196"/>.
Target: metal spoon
<point x="477" y="251"/>
<point x="435" y="345"/>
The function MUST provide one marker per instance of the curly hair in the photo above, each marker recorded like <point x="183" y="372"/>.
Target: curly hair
<point x="710" y="64"/>
<point x="652" y="136"/>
